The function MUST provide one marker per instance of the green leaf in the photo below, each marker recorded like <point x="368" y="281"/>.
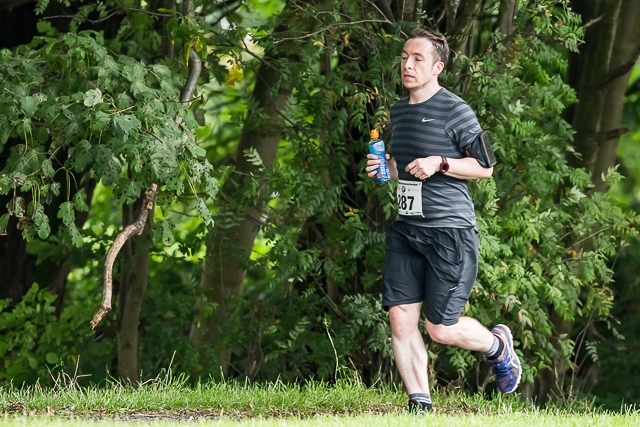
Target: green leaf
<point x="211" y="186"/>
<point x="124" y="125"/>
<point x="41" y="221"/>
<point x="92" y="97"/>
<point x="41" y="6"/>
<point x="80" y="201"/>
<point x="67" y="214"/>
<point x="28" y="104"/>
<point x="82" y="155"/>
<point x="165" y="199"/>
<point x="4" y="221"/>
<point x="196" y="150"/>
<point x="164" y="233"/>
<point x="5" y="184"/>
<point x="100" y="121"/>
<point x="52" y="358"/>
<point x="204" y="212"/>
<point x="134" y="72"/>
<point x="47" y="168"/>
<point x="252" y="156"/>
<point x="130" y="190"/>
<point x="44" y="230"/>
<point x="138" y="88"/>
<point x="172" y="26"/>
<point x="76" y="237"/>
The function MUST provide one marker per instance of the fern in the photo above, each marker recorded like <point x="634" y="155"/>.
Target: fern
<point x="41" y="6"/>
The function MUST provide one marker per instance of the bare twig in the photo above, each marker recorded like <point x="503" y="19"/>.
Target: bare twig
<point x="374" y="21"/>
<point x="135" y="228"/>
<point x="389" y="18"/>
<point x="590" y="23"/>
<point x="91" y="21"/>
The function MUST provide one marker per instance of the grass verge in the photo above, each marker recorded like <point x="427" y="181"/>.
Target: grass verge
<point x="348" y="403"/>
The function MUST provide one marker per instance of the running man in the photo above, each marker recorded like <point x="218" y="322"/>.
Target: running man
<point x="431" y="258"/>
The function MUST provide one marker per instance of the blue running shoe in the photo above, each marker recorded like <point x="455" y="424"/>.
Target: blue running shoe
<point x="506" y="366"/>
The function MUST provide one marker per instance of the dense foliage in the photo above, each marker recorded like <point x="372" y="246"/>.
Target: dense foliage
<point x="76" y="109"/>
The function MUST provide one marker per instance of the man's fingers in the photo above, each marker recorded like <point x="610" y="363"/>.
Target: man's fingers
<point x="410" y="166"/>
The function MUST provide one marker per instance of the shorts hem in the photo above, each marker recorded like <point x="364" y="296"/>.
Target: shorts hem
<point x="444" y="322"/>
<point x="387" y="306"/>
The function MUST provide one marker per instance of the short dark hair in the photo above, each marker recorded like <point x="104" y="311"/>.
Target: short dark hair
<point x="440" y="45"/>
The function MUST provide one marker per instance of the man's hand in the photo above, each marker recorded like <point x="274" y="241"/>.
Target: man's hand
<point x="425" y="167"/>
<point x="373" y="163"/>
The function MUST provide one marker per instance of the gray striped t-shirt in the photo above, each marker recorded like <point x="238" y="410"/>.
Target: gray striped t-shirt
<point x="443" y="125"/>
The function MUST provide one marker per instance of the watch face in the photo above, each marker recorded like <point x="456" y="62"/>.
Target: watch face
<point x="444" y="167"/>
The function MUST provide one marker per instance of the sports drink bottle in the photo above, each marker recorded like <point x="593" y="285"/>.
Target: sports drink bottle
<point x="376" y="146"/>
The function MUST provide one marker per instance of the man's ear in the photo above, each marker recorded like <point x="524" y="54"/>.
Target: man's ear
<point x="438" y="67"/>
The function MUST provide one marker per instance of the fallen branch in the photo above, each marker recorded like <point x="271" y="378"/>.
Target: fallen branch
<point x="135" y="228"/>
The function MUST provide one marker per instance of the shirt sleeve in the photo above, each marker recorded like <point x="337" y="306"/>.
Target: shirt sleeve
<point x="462" y="126"/>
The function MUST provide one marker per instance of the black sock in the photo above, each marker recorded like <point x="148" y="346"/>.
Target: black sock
<point x="421" y="399"/>
<point x="496" y="349"/>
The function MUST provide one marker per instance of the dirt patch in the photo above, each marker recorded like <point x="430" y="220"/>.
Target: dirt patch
<point x="20" y="409"/>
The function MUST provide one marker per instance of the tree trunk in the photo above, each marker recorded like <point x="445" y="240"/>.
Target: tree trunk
<point x="133" y="283"/>
<point x="167" y="47"/>
<point x="466" y="16"/>
<point x="587" y="119"/>
<point x="451" y="10"/>
<point x="508" y="10"/>
<point x="228" y="248"/>
<point x="410" y="10"/>
<point x="624" y="55"/>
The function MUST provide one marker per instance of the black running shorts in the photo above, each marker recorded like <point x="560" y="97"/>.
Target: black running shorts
<point x="436" y="266"/>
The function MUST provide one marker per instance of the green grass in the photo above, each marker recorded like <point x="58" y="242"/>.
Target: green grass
<point x="369" y="420"/>
<point x="347" y="403"/>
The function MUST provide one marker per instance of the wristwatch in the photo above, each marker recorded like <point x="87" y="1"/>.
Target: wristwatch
<point x="444" y="166"/>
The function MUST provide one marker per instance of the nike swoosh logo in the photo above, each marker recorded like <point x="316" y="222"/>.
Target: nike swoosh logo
<point x="424" y="119"/>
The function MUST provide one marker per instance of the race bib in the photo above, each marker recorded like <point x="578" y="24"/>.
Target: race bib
<point x="409" y="198"/>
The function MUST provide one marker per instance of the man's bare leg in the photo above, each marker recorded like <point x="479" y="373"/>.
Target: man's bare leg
<point x="408" y="347"/>
<point x="497" y="345"/>
<point x="468" y="333"/>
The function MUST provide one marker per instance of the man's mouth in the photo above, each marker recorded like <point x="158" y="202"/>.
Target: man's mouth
<point x="408" y="76"/>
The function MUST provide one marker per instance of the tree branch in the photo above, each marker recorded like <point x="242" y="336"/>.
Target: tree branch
<point x="195" y="68"/>
<point x="620" y="71"/>
<point x="590" y="23"/>
<point x="130" y="230"/>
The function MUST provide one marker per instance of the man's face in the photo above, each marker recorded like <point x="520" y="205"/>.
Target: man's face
<point x="418" y="67"/>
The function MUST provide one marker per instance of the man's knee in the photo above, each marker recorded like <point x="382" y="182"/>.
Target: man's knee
<point x="443" y="334"/>
<point x="402" y="319"/>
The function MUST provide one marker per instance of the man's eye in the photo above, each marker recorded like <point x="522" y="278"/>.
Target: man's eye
<point x="418" y="60"/>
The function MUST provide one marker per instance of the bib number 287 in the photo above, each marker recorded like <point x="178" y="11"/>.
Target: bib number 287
<point x="409" y="198"/>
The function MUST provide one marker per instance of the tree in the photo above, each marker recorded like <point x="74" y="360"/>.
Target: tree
<point x="102" y="118"/>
